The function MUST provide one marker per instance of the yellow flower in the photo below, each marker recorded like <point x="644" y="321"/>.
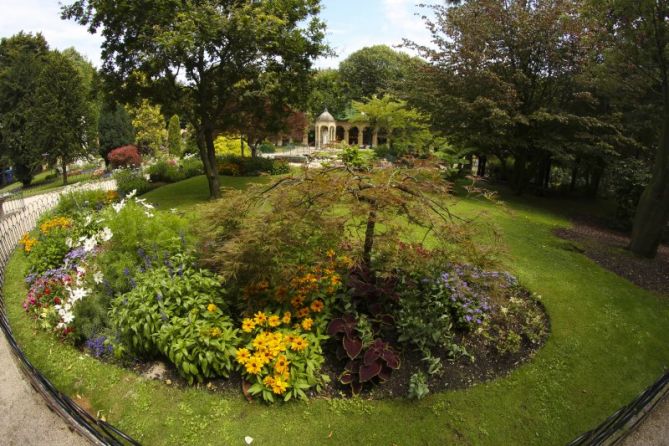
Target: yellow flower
<point x="279" y="386"/>
<point x="212" y="308"/>
<point x="268" y="381"/>
<point x="303" y="312"/>
<point x="56" y="222"/>
<point x="317" y="306"/>
<point x="262" y="358"/>
<point x="299" y="344"/>
<point x="253" y="365"/>
<point x="260" y="318"/>
<point x="307" y="323"/>
<point x="274" y="321"/>
<point x="281" y="365"/>
<point x="248" y="325"/>
<point x="286" y="317"/>
<point x="330" y="253"/>
<point x="215" y="332"/>
<point x="243" y="355"/>
<point x="260" y="342"/>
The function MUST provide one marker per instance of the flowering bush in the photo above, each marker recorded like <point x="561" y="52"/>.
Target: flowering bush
<point x="280" y="358"/>
<point x="27" y="242"/>
<point x="131" y="180"/>
<point x="126" y="156"/>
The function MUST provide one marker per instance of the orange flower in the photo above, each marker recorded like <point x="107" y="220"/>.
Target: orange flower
<point x="303" y="312"/>
<point x="307" y="323"/>
<point x="317" y="306"/>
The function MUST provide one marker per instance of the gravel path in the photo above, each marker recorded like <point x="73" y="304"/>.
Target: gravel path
<point x="26" y="420"/>
<point x="654" y="430"/>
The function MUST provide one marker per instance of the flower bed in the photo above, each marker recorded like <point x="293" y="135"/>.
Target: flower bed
<point x="295" y="310"/>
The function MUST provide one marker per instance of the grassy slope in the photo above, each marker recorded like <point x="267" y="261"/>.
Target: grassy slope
<point x="41" y="185"/>
<point x="194" y="191"/>
<point x="608" y="342"/>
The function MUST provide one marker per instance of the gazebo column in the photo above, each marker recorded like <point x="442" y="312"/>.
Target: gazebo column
<point x="305" y="137"/>
<point x="318" y="137"/>
<point x="375" y="138"/>
<point x="361" y="132"/>
<point x="346" y="135"/>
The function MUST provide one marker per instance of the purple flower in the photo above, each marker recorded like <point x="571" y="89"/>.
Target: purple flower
<point x="97" y="346"/>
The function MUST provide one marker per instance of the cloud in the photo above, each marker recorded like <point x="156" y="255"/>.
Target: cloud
<point x="44" y="16"/>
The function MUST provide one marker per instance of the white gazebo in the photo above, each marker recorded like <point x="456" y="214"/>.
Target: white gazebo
<point x="326" y="129"/>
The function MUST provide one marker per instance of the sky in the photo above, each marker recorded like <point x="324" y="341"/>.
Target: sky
<point x="351" y="25"/>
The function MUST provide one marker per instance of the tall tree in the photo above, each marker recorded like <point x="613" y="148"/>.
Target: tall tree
<point x="327" y="91"/>
<point x="506" y="76"/>
<point x="149" y="125"/>
<point x="60" y="120"/>
<point x="636" y="59"/>
<point x="204" y="54"/>
<point x="375" y="70"/>
<point x="174" y="143"/>
<point x="114" y="129"/>
<point x="21" y="60"/>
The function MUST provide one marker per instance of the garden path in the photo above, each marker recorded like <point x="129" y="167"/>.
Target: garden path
<point x="26" y="419"/>
<point x="654" y="430"/>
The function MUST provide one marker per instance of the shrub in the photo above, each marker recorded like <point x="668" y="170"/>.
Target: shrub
<point x="192" y="166"/>
<point x="267" y="147"/>
<point x="235" y="165"/>
<point x="231" y="145"/>
<point x="165" y="171"/>
<point x="126" y="156"/>
<point x="177" y="311"/>
<point x="128" y="180"/>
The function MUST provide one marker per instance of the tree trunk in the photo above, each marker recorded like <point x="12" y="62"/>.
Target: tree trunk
<point x="369" y="238"/>
<point x="483" y="160"/>
<point x="205" y="144"/>
<point x="64" y="163"/>
<point x="652" y="212"/>
<point x="519" y="173"/>
<point x="574" y="176"/>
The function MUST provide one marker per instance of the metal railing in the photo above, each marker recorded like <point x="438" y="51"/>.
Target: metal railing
<point x="12" y="227"/>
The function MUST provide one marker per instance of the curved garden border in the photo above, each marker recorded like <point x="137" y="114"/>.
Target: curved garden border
<point x="12" y="227"/>
<point x="613" y="430"/>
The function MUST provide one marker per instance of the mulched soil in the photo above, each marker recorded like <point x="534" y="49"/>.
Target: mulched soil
<point x="607" y="247"/>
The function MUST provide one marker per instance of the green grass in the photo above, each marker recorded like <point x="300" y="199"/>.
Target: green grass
<point x="41" y="185"/>
<point x="185" y="194"/>
<point x="608" y="342"/>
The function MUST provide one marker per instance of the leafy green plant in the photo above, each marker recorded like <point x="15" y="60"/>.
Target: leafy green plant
<point x="166" y="171"/>
<point x="77" y="202"/>
<point x="418" y="388"/>
<point x="128" y="180"/>
<point x="177" y="311"/>
<point x="50" y="250"/>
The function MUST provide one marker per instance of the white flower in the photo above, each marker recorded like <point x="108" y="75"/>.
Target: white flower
<point x="105" y="235"/>
<point x="69" y="242"/>
<point x="148" y="214"/>
<point x="98" y="277"/>
<point x="89" y="220"/>
<point x="68" y="317"/>
<point x="81" y="270"/>
<point x="77" y="294"/>
<point x="173" y="210"/>
<point x="248" y="440"/>
<point x="90" y="244"/>
<point x="131" y="194"/>
<point x="118" y="206"/>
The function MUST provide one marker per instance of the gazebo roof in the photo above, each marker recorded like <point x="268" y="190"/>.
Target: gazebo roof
<point x="326" y="117"/>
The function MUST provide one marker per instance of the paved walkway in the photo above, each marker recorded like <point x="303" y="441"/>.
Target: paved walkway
<point x="26" y="420"/>
<point x="654" y="430"/>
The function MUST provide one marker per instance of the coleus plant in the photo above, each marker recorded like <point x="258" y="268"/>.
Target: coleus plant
<point x="365" y="363"/>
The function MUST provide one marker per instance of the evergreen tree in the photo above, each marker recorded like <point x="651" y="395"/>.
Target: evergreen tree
<point x="174" y="144"/>
<point x="114" y="129"/>
<point x="60" y="120"/>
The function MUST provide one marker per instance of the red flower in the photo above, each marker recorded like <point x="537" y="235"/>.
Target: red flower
<point x="56" y="300"/>
<point x="47" y="291"/>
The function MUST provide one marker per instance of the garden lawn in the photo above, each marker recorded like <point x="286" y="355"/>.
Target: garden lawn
<point x="192" y="191"/>
<point x="608" y="342"/>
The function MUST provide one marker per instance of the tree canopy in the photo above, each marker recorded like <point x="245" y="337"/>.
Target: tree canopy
<point x="206" y="55"/>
